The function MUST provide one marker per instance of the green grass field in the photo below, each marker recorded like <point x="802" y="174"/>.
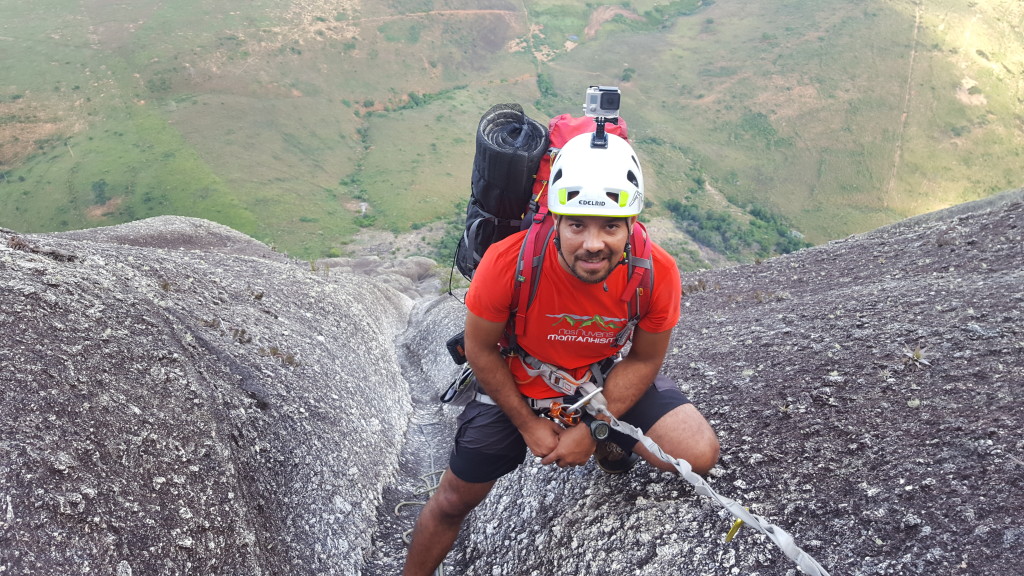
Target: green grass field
<point x="299" y="123"/>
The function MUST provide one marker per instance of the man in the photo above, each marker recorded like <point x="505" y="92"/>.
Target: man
<point x="595" y="194"/>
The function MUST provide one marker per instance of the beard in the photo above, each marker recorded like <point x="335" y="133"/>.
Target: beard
<point x="586" y="273"/>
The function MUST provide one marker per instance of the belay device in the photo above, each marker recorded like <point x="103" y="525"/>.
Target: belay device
<point x="569" y="416"/>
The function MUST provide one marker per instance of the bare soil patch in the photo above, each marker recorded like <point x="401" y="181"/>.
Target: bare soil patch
<point x="542" y="53"/>
<point x="604" y="14"/>
<point x="788" y="98"/>
<point x="106" y="209"/>
<point x="23" y="129"/>
<point x="963" y="93"/>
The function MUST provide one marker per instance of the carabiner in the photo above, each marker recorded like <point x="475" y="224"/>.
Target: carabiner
<point x="585" y="400"/>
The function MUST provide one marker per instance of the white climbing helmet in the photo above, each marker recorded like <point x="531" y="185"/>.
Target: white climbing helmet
<point x="589" y="181"/>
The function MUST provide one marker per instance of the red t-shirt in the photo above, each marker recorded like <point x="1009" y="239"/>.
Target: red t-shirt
<point x="571" y="323"/>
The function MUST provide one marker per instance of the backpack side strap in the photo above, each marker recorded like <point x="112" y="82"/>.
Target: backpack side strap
<point x="472" y="232"/>
<point x="640" y="270"/>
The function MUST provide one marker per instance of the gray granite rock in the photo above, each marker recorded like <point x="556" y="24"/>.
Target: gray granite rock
<point x="213" y="408"/>
<point x="177" y="411"/>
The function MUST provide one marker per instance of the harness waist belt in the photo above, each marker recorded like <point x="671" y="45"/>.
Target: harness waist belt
<point x="562" y="381"/>
<point x="536" y="404"/>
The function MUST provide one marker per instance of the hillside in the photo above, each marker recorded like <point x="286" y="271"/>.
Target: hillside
<point x="181" y="399"/>
<point x="304" y="123"/>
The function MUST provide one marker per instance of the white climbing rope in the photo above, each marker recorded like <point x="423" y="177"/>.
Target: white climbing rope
<point x="782" y="539"/>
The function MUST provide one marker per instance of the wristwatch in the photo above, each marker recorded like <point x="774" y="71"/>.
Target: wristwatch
<point x="599" y="429"/>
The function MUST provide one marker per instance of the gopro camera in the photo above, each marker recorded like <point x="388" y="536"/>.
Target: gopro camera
<point x="602" y="101"/>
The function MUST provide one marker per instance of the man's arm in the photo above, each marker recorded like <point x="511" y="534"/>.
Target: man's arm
<point x="626" y="384"/>
<point x="635" y="373"/>
<point x="491" y="371"/>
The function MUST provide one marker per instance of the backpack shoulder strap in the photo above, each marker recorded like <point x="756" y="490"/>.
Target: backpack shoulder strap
<point x="528" y="268"/>
<point x="640" y="284"/>
<point x="639" y="263"/>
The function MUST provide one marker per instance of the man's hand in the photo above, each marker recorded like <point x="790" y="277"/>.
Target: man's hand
<point x="575" y="446"/>
<point x="541" y="436"/>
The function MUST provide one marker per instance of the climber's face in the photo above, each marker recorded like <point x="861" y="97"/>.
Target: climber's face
<point x="590" y="247"/>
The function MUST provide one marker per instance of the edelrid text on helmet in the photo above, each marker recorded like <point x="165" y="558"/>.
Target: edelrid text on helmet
<point x="588" y="181"/>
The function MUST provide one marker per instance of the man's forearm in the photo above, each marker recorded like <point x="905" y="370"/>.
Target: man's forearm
<point x="491" y="370"/>
<point x="627" y="383"/>
<point x="637" y="371"/>
<point x="497" y="381"/>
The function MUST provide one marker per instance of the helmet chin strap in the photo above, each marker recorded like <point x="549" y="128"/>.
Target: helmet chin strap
<point x="558" y="247"/>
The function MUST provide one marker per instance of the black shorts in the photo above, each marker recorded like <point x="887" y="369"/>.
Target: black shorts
<point x="488" y="445"/>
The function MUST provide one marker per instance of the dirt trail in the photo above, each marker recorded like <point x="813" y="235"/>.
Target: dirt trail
<point x="506" y="13"/>
<point x="889" y="194"/>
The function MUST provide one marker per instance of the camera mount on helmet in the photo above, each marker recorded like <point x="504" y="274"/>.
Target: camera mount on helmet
<point x="602" y="104"/>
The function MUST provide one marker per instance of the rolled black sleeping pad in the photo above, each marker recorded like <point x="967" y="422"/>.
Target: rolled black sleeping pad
<point x="509" y="147"/>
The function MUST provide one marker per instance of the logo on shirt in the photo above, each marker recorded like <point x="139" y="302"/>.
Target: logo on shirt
<point x="585" y="329"/>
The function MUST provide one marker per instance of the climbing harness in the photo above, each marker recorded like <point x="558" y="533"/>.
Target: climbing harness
<point x="599" y="406"/>
<point x="570" y="415"/>
<point x="557" y="379"/>
<point x="535" y="404"/>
